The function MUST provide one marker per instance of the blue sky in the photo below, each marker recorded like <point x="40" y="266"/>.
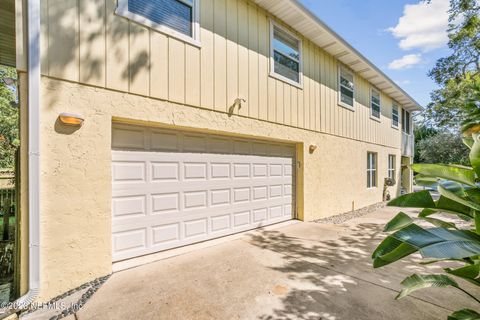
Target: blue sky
<point x="403" y="38"/>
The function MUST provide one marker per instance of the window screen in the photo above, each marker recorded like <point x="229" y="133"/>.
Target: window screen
<point x="174" y="14"/>
<point x="286" y="55"/>
<point x="347" y="88"/>
<point x="395" y="116"/>
<point x="371" y="170"/>
<point x="375" y="104"/>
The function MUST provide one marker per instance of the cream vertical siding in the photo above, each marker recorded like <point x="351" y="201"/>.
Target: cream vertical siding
<point x="84" y="41"/>
<point x="110" y="70"/>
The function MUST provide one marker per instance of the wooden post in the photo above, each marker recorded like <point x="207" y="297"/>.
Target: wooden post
<point x="6" y="218"/>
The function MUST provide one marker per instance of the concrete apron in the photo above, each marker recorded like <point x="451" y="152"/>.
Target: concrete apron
<point x="301" y="271"/>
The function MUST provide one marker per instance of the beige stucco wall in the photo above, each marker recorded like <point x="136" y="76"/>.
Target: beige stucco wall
<point x="76" y="172"/>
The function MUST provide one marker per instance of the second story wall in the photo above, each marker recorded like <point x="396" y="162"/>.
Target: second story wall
<point x="84" y="41"/>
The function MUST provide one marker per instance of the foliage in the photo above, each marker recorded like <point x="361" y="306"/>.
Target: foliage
<point x="441" y="240"/>
<point x="443" y="147"/>
<point x="457" y="73"/>
<point x="9" y="117"/>
<point x="421" y="131"/>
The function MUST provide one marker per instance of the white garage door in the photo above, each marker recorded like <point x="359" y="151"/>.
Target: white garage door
<point x="173" y="188"/>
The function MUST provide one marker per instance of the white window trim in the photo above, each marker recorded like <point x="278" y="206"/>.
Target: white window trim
<point x="272" y="72"/>
<point x="398" y="116"/>
<point x="371" y="105"/>
<point x="122" y="10"/>
<point x="373" y="169"/>
<point x="340" y="102"/>
<point x="394" y="169"/>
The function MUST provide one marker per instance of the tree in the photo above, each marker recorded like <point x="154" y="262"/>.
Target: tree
<point x="456" y="73"/>
<point x="443" y="147"/>
<point x="9" y="117"/>
<point x="421" y="131"/>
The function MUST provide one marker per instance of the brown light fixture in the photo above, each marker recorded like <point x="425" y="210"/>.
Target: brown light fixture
<point x="71" y="119"/>
<point x="312" y="148"/>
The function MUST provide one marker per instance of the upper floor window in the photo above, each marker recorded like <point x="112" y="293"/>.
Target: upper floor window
<point x="347" y="88"/>
<point x="394" y="116"/>
<point x="371" y="170"/>
<point x="406" y="125"/>
<point x="177" y="18"/>
<point x="286" y="55"/>
<point x="375" y="104"/>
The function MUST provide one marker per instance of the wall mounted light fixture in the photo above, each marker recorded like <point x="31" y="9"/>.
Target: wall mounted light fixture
<point x="312" y="148"/>
<point x="71" y="119"/>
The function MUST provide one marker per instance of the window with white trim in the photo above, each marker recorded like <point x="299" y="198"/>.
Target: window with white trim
<point x="371" y="170"/>
<point x="375" y="103"/>
<point x="391" y="166"/>
<point x="346" y="95"/>
<point x="406" y="126"/>
<point x="177" y="18"/>
<point x="395" y="116"/>
<point x="286" y="55"/>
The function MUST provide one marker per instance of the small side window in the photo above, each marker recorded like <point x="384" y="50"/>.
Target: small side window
<point x="391" y="166"/>
<point x="375" y="104"/>
<point x="394" y="116"/>
<point x="346" y="95"/>
<point x="286" y="55"/>
<point x="371" y="170"/>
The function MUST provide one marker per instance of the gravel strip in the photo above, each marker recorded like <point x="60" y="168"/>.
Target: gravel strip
<point x="90" y="287"/>
<point x="341" y="218"/>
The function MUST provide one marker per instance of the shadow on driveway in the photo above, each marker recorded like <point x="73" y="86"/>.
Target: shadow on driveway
<point x="343" y="284"/>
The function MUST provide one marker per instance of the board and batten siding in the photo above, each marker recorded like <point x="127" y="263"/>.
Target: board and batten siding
<point x="84" y="41"/>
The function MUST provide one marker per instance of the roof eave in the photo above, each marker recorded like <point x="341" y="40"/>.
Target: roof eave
<point x="297" y="16"/>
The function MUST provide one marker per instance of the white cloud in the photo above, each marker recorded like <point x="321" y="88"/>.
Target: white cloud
<point x="423" y="25"/>
<point x="403" y="82"/>
<point x="405" y="62"/>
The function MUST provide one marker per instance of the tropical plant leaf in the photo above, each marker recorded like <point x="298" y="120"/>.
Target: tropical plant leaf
<point x="475" y="154"/>
<point x="398" y="222"/>
<point x="473" y="194"/>
<point x="470" y="273"/>
<point x="421" y="199"/>
<point x="477" y="222"/>
<point x="465" y="314"/>
<point x="447" y="205"/>
<point x="451" y="250"/>
<point x="389" y="251"/>
<point x="416" y="282"/>
<point x="426" y="212"/>
<point x="468" y="142"/>
<point x="425" y="181"/>
<point x="438" y="260"/>
<point x="440" y="223"/>
<point x="454" y="187"/>
<point x="447" y="172"/>
<point x="437" y="243"/>
<point x="452" y="196"/>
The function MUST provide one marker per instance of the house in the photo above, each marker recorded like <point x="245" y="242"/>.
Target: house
<point x="150" y="125"/>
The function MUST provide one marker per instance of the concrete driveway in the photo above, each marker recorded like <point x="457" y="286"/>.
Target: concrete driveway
<point x="300" y="271"/>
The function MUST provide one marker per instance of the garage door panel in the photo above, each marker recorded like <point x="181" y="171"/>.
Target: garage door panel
<point x="182" y="188"/>
<point x="126" y="222"/>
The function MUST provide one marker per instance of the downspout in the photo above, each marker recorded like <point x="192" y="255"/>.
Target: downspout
<point x="33" y="74"/>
